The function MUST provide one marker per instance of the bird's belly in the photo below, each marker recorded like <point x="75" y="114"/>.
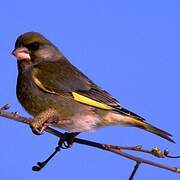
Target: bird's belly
<point x="81" y="122"/>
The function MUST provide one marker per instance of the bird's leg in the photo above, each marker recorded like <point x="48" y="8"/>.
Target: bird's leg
<point x="43" y="120"/>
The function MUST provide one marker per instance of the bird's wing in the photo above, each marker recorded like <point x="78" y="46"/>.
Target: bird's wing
<point x="59" y="77"/>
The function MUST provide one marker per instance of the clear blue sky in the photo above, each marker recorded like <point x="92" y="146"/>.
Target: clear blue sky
<point x="130" y="48"/>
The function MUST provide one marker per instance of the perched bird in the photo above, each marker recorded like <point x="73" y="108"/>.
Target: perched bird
<point x="56" y="93"/>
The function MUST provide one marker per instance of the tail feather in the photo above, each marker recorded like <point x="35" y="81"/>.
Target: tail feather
<point x="152" y="129"/>
<point x="131" y="119"/>
<point x="127" y="118"/>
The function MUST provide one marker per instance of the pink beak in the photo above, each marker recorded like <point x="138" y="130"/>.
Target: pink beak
<point x="21" y="53"/>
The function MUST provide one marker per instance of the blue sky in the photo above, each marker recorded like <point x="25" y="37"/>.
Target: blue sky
<point x="130" y="48"/>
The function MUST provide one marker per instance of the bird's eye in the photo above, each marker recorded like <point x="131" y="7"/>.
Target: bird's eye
<point x="33" y="46"/>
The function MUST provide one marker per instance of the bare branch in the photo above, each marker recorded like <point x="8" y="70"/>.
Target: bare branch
<point x="136" y="167"/>
<point x="111" y="148"/>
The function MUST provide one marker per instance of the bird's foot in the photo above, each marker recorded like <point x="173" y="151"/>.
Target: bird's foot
<point x="38" y="130"/>
<point x="43" y="120"/>
<point x="68" y="139"/>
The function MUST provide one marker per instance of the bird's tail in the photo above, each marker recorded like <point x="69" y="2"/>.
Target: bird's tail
<point x="152" y="129"/>
<point x="134" y="120"/>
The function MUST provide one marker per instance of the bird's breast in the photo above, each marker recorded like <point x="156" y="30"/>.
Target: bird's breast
<point x="29" y="95"/>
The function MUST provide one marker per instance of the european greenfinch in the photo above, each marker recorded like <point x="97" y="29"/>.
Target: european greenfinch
<point x="56" y="93"/>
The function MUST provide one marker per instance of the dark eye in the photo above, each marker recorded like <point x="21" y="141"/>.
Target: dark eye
<point x="33" y="46"/>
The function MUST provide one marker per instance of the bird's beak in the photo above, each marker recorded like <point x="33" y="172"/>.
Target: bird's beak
<point x="21" y="53"/>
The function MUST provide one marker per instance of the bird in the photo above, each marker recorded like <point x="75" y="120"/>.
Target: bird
<point x="58" y="94"/>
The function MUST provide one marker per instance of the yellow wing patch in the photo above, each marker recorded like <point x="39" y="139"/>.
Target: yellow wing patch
<point x="90" y="102"/>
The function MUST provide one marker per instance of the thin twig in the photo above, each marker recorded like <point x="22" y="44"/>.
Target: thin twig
<point x="136" y="167"/>
<point x="111" y="148"/>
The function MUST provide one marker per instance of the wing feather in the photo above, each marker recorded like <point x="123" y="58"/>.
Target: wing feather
<point x="62" y="76"/>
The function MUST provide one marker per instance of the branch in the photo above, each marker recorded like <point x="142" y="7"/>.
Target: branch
<point x="136" y="167"/>
<point x="111" y="148"/>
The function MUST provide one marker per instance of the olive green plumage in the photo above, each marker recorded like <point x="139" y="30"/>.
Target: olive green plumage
<point x="47" y="80"/>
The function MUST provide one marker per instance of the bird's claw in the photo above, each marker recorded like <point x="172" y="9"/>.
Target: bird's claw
<point x="38" y="130"/>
